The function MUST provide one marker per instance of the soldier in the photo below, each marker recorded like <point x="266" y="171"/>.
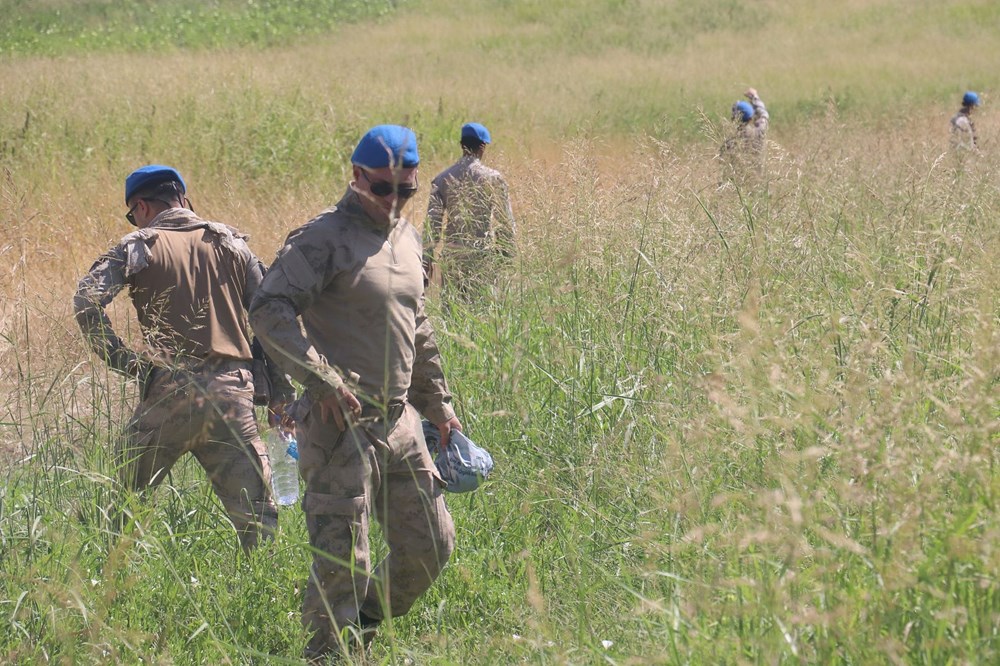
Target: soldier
<point x="190" y="282"/>
<point x="469" y="209"/>
<point x="367" y="357"/>
<point x="963" y="131"/>
<point x="743" y="151"/>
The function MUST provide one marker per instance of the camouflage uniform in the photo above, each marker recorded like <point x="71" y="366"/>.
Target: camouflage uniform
<point x="190" y="282"/>
<point x="358" y="287"/>
<point x="743" y="152"/>
<point x="470" y="209"/>
<point x="963" y="130"/>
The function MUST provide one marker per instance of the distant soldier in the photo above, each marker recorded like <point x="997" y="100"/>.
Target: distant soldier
<point x="963" y="131"/>
<point x="191" y="282"/>
<point x="743" y="152"/>
<point x="470" y="211"/>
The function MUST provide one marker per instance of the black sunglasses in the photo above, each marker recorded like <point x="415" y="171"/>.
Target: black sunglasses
<point x="130" y="215"/>
<point x="383" y="188"/>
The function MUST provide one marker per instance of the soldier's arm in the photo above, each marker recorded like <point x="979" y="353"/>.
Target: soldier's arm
<point x="96" y="289"/>
<point x="290" y="287"/>
<point x="505" y="230"/>
<point x="433" y="223"/>
<point x="428" y="388"/>
<point x="281" y="389"/>
<point x="760" y="114"/>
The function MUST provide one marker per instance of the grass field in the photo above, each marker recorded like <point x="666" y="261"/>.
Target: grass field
<point x="731" y="425"/>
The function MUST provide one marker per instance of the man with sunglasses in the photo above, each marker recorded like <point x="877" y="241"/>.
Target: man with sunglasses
<point x="469" y="210"/>
<point x="366" y="355"/>
<point x="191" y="282"/>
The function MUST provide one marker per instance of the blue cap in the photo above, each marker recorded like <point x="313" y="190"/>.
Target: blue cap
<point x="742" y="111"/>
<point x="150" y="176"/>
<point x="970" y="99"/>
<point x="476" y="132"/>
<point x="374" y="148"/>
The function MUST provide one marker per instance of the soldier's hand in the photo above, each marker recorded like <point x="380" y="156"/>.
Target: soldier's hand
<point x="277" y="416"/>
<point x="451" y="424"/>
<point x="341" y="406"/>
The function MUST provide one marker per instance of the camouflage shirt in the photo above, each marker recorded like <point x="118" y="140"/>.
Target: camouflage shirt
<point x="357" y="286"/>
<point x="191" y="282"/>
<point x="963" y="131"/>
<point x="473" y="198"/>
<point x="749" y="136"/>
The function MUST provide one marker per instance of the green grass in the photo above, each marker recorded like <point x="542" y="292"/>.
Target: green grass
<point x="60" y="27"/>
<point x="730" y="426"/>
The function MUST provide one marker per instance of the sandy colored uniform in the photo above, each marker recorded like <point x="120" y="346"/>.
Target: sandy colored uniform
<point x="358" y="288"/>
<point x="743" y="153"/>
<point x="963" y="131"/>
<point x="469" y="209"/>
<point x="190" y="282"/>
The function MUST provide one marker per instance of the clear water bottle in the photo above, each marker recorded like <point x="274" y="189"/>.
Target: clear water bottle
<point x="283" y="451"/>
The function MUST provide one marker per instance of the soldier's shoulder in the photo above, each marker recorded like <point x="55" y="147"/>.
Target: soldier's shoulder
<point x="137" y="236"/>
<point x="452" y="171"/>
<point x="488" y="173"/>
<point x="223" y="228"/>
<point x="331" y="226"/>
<point x="317" y="224"/>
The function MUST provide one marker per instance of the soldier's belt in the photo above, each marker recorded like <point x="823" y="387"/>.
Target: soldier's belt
<point x="210" y="366"/>
<point x="391" y="412"/>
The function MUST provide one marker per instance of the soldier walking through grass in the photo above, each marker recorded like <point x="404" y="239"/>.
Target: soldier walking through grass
<point x="963" y="130"/>
<point x="742" y="152"/>
<point x="469" y="212"/>
<point x="191" y="282"/>
<point x="369" y="363"/>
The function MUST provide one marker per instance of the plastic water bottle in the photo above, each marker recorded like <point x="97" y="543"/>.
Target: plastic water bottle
<point x="283" y="451"/>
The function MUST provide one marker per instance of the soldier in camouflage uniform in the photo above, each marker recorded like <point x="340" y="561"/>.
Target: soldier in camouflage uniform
<point x="742" y="153"/>
<point x="469" y="210"/>
<point x="369" y="363"/>
<point x="963" y="130"/>
<point x="191" y="282"/>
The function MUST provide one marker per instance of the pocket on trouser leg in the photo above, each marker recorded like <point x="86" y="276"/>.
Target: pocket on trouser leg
<point x="338" y="528"/>
<point x="338" y="531"/>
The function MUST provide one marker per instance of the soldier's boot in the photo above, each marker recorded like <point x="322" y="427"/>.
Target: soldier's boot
<point x="367" y="628"/>
<point x="356" y="640"/>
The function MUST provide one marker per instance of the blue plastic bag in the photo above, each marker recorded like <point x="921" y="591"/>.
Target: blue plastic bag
<point x="463" y="465"/>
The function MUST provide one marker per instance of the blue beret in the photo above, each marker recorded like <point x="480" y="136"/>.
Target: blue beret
<point x="374" y="148"/>
<point x="742" y="111"/>
<point x="970" y="99"/>
<point x="149" y="176"/>
<point x="476" y="132"/>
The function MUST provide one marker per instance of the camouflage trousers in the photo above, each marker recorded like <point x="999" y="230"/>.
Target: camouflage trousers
<point x="468" y="273"/>
<point x="370" y="469"/>
<point x="210" y="415"/>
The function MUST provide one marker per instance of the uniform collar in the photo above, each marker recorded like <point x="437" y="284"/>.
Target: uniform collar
<point x="350" y="205"/>
<point x="182" y="219"/>
<point x="174" y="218"/>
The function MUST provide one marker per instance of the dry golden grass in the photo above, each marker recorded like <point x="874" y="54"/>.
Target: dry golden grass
<point x="754" y="425"/>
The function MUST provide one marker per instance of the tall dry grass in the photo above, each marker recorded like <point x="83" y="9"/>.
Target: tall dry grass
<point x="737" y="425"/>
